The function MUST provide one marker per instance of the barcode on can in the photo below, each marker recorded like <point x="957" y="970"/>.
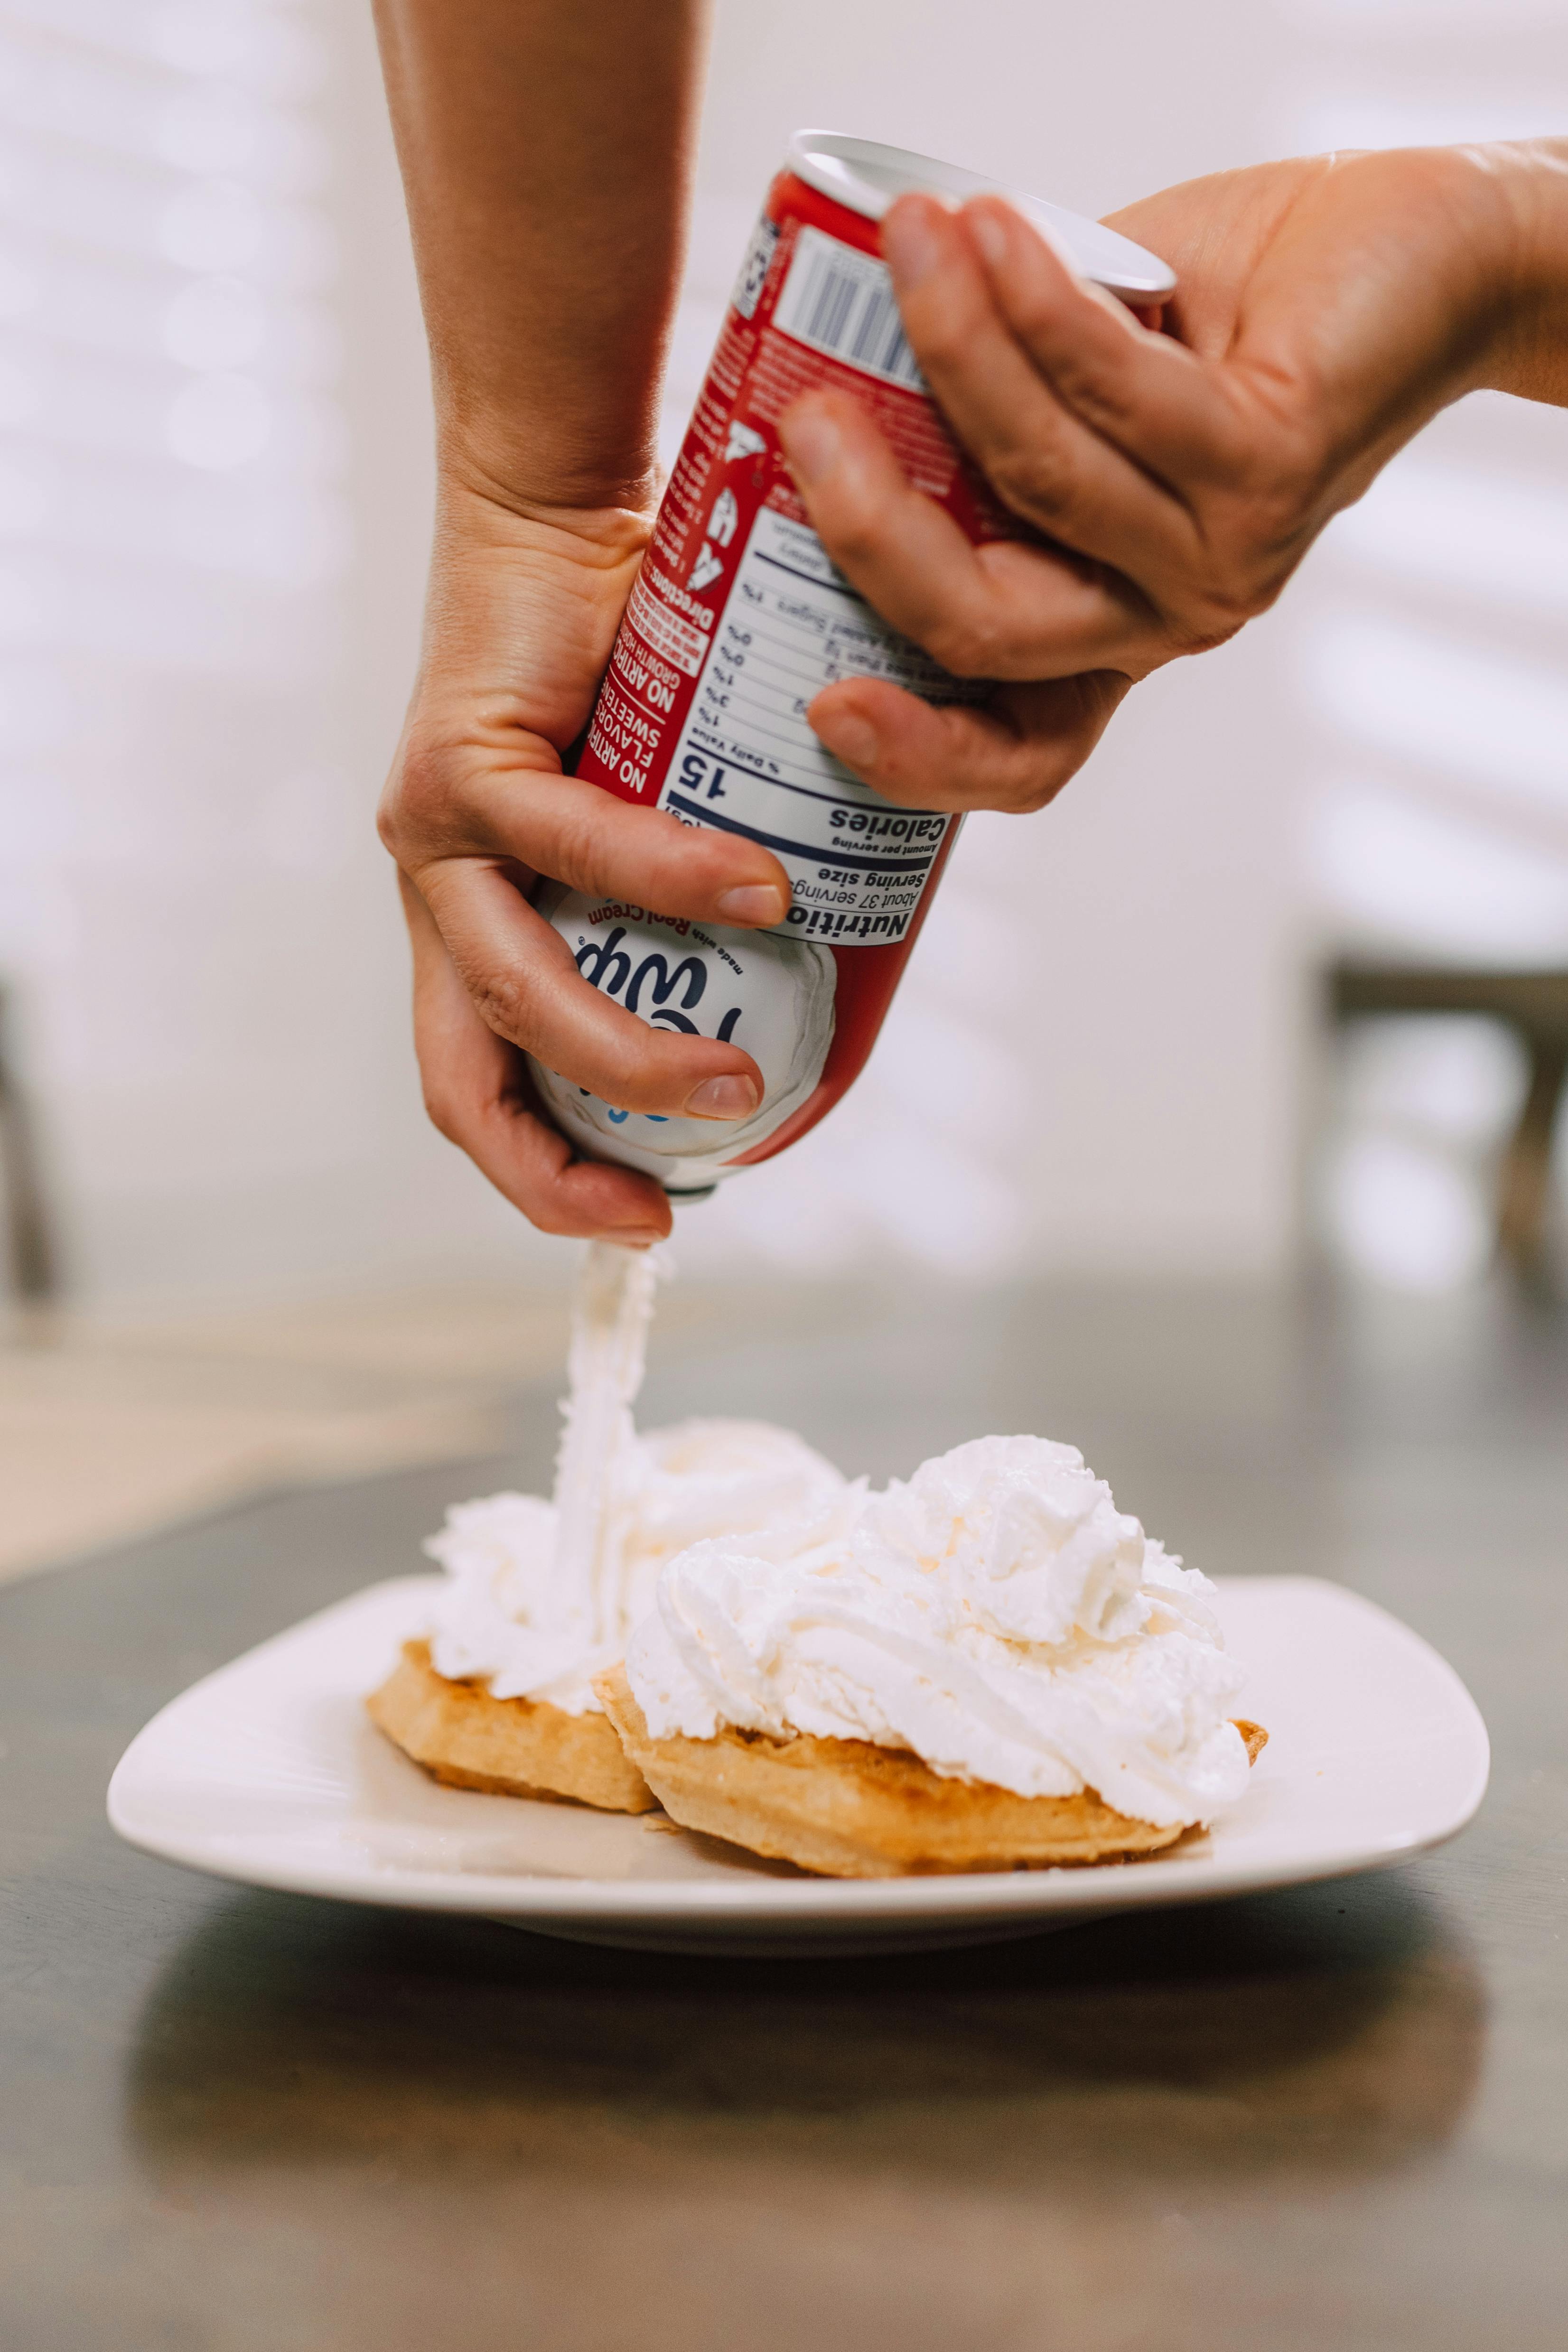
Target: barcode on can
<point x="842" y="302"/>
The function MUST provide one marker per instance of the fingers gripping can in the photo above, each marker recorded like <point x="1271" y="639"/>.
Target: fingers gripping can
<point x="737" y="619"/>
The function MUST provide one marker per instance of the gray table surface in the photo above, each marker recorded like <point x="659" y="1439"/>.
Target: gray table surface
<point x="254" y="2123"/>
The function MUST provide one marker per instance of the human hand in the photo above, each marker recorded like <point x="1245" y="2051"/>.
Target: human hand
<point x="522" y="613"/>
<point x="1181" y="466"/>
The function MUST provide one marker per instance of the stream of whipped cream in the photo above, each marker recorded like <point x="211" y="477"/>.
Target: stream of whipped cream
<point x="542" y="1595"/>
<point x="610" y="1321"/>
<point x="995" y="1613"/>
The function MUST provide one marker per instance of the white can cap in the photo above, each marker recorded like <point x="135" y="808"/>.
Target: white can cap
<point x="868" y="178"/>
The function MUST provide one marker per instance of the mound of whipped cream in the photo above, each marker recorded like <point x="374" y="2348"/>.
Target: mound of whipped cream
<point x="516" y="1614"/>
<point x="996" y="1615"/>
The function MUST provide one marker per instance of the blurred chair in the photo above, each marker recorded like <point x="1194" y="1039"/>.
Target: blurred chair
<point x="1535" y="1005"/>
<point x="29" y="1248"/>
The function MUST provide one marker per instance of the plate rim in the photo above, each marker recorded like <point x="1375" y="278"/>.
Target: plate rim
<point x="778" y="1904"/>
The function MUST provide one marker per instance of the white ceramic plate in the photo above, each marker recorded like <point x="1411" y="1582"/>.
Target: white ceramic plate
<point x="269" y="1772"/>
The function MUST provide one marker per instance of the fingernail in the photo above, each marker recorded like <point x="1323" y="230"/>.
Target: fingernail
<point x="813" y="443"/>
<point x="634" y="1236"/>
<point x="990" y="235"/>
<point x="852" y="737"/>
<point x="758" y="902"/>
<point x="910" y="246"/>
<point x="732" y="1097"/>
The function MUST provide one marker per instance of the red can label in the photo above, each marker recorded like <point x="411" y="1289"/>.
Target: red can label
<point x="740" y="617"/>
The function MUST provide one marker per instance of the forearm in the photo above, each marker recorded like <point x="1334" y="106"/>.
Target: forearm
<point x="1532" y="359"/>
<point x="546" y="150"/>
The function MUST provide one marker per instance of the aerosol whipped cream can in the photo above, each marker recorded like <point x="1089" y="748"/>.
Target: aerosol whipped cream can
<point x="737" y="619"/>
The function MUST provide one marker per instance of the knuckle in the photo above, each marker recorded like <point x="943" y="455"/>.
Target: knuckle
<point x="1277" y="499"/>
<point x="1233" y="588"/>
<point x="1279" y="521"/>
<point x="1239" y="588"/>
<point x="502" y="999"/>
<point x="1022" y="784"/>
<point x="942" y="342"/>
<point x="951" y="643"/>
<point x="441" y="1111"/>
<point x="1032" y="794"/>
<point x="1207" y="627"/>
<point x="1034" y="316"/>
<point x="417" y="811"/>
<point x="1253" y="591"/>
<point x="1304" y="457"/>
<point x="1028" y="480"/>
<point x="389" y="821"/>
<point x="854" y="529"/>
<point x="968" y="644"/>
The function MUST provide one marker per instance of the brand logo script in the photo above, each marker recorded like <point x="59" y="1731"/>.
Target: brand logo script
<point x="647" y="988"/>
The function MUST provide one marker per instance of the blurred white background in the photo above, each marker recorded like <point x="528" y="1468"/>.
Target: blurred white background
<point x="214" y="494"/>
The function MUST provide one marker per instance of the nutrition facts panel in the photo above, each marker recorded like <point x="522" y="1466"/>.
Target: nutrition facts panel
<point x="747" y="761"/>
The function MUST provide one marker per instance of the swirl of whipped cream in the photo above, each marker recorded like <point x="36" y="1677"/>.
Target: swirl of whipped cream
<point x="997" y="1615"/>
<point x="508" y="1616"/>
